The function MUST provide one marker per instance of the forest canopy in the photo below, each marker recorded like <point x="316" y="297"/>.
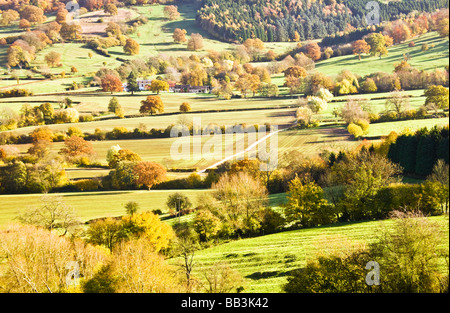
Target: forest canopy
<point x="288" y="20"/>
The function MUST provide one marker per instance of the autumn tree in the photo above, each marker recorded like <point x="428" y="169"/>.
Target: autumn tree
<point x="149" y="174"/>
<point x="52" y="30"/>
<point x="33" y="14"/>
<point x="20" y="55"/>
<point x="438" y="95"/>
<point x="377" y="43"/>
<point x="296" y="71"/>
<point x="363" y="175"/>
<point x="113" y="29"/>
<point x="185" y="107"/>
<point x="131" y="47"/>
<point x="122" y="155"/>
<point x="195" y="42"/>
<point x="353" y="111"/>
<point x="293" y="83"/>
<point x="53" y="58"/>
<point x="111" y="83"/>
<point x="360" y="47"/>
<point x="106" y="232"/>
<point x="61" y="15"/>
<point x="138" y="268"/>
<point x="24" y="24"/>
<point x="179" y="35"/>
<point x="306" y="204"/>
<point x="111" y="9"/>
<point x="313" y="51"/>
<point x="114" y="105"/>
<point x="171" y="12"/>
<point x="443" y="26"/>
<point x="152" y="105"/>
<point x="221" y="278"/>
<point x="71" y="32"/>
<point x="75" y="148"/>
<point x="158" y="85"/>
<point x="42" y="133"/>
<point x="39" y="261"/>
<point x="148" y="227"/>
<point x="8" y="17"/>
<point x="241" y="199"/>
<point x="248" y="83"/>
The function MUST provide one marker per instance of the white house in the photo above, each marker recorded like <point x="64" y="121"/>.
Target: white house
<point x="142" y="83"/>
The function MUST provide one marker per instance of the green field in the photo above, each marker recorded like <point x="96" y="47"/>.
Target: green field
<point x="274" y="117"/>
<point x="435" y="57"/>
<point x="383" y="129"/>
<point x="265" y="261"/>
<point x="107" y="204"/>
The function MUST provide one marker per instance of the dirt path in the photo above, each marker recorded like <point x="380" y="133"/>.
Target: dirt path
<point x="250" y="147"/>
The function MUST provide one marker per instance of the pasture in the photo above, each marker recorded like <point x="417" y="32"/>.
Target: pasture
<point x="434" y="57"/>
<point x="265" y="261"/>
<point x="107" y="203"/>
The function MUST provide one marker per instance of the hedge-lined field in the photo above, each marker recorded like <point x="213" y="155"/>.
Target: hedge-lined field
<point x="92" y="205"/>
<point x="434" y="57"/>
<point x="265" y="261"/>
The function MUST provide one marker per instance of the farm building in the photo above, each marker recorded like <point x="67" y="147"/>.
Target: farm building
<point x="173" y="87"/>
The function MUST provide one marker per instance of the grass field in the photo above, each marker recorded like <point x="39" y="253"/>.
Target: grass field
<point x="272" y="116"/>
<point x="98" y="101"/>
<point x="107" y="204"/>
<point x="383" y="129"/>
<point x="435" y="57"/>
<point x="265" y="261"/>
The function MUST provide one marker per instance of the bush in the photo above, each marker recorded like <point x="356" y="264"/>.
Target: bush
<point x="86" y="117"/>
<point x="364" y="125"/>
<point x="11" y="93"/>
<point x="88" y="185"/>
<point x="355" y="130"/>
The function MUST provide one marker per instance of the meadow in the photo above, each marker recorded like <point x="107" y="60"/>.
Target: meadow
<point x="265" y="261"/>
<point x="423" y="60"/>
<point x="107" y="203"/>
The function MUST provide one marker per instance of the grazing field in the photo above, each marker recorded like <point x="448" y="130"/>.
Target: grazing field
<point x="310" y="142"/>
<point x="92" y="205"/>
<point x="265" y="261"/>
<point x="383" y="129"/>
<point x="422" y="60"/>
<point x="95" y="102"/>
<point x="161" y="121"/>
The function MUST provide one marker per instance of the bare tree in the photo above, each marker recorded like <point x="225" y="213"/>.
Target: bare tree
<point x="52" y="214"/>
<point x="221" y="278"/>
<point x="397" y="102"/>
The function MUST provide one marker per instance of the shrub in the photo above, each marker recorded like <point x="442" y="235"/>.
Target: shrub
<point x="11" y="93"/>
<point x="364" y="124"/>
<point x="86" y="117"/>
<point x="88" y="185"/>
<point x="355" y="130"/>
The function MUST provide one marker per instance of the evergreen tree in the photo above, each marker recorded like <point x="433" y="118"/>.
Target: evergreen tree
<point x="132" y="84"/>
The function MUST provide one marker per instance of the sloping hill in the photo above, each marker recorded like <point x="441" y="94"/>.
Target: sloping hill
<point x="266" y="261"/>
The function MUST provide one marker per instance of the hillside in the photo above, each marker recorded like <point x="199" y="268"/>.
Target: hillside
<point x="284" y="20"/>
<point x="246" y="136"/>
<point x="266" y="261"/>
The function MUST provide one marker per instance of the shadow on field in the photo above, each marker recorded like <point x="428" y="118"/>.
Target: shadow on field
<point x="96" y="194"/>
<point x="269" y="274"/>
